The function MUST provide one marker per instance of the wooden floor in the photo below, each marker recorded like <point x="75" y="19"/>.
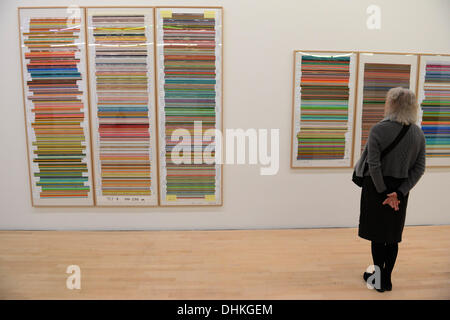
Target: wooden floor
<point x="244" y="264"/>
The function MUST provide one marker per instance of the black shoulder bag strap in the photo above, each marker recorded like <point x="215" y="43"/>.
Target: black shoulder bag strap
<point x="396" y="141"/>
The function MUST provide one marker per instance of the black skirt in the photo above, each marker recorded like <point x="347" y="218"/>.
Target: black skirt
<point x="378" y="222"/>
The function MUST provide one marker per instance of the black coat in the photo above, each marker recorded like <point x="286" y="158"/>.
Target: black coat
<point x="378" y="222"/>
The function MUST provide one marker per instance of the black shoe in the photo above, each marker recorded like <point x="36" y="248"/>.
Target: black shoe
<point x="382" y="289"/>
<point x="386" y="284"/>
<point x="367" y="275"/>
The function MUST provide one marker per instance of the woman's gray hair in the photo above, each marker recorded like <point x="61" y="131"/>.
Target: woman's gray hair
<point x="401" y="105"/>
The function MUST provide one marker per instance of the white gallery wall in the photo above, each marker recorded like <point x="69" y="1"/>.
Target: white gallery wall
<point x="259" y="39"/>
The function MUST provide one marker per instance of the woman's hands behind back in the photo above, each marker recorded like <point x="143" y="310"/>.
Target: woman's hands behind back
<point x="392" y="200"/>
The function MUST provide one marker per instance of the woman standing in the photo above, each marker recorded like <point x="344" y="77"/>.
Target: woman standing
<point x="391" y="164"/>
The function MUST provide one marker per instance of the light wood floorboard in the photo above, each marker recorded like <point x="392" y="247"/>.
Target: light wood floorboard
<point x="229" y="264"/>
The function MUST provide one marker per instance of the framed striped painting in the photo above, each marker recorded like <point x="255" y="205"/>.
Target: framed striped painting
<point x="189" y="98"/>
<point x="123" y="112"/>
<point x="434" y="101"/>
<point x="323" y="109"/>
<point x="56" y="106"/>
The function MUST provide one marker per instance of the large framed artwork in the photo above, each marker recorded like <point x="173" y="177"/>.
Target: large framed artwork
<point x="323" y="109"/>
<point x="434" y="101"/>
<point x="56" y="106"/>
<point x="122" y="100"/>
<point x="189" y="98"/>
<point x="377" y="73"/>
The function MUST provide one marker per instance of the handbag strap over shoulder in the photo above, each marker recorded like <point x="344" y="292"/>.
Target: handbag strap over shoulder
<point x="396" y="141"/>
